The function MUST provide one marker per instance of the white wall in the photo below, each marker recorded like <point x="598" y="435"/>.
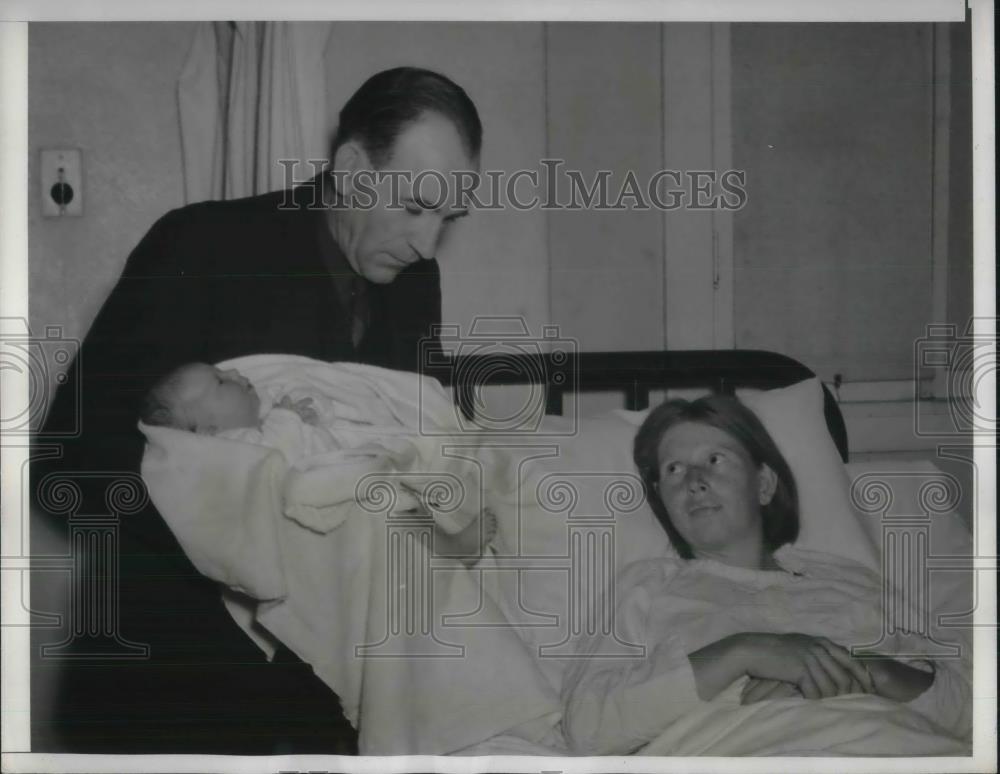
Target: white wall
<point x="835" y="247"/>
<point x="110" y="90"/>
<point x="596" y="96"/>
<point x="605" y="113"/>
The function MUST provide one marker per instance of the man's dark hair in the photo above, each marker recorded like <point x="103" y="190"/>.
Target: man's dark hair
<point x="780" y="517"/>
<point x="389" y="101"/>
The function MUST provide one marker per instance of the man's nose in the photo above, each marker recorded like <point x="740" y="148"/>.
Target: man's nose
<point x="425" y="237"/>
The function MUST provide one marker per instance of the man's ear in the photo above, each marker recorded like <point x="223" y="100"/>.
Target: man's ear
<point x="349" y="159"/>
<point x="767" y="482"/>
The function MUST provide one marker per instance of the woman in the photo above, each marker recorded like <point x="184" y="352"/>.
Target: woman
<point x="741" y="616"/>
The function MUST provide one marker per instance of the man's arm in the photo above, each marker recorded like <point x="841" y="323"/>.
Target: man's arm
<point x="143" y="327"/>
<point x="204" y="687"/>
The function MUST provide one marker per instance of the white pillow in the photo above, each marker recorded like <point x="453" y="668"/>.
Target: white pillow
<point x="591" y="481"/>
<point x="909" y="498"/>
<point x="593" y="460"/>
<point x="913" y="492"/>
<point x="794" y="418"/>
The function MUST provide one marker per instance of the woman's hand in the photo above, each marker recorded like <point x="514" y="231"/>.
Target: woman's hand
<point x="815" y="666"/>
<point x="761" y="688"/>
<point x="889" y="679"/>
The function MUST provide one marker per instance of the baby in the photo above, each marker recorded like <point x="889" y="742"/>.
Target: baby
<point x="200" y="398"/>
<point x="203" y="399"/>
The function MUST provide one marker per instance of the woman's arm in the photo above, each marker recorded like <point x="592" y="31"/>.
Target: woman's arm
<point x="721" y="663"/>
<point x="898" y="681"/>
<point x="817" y="667"/>
<point x="622" y="691"/>
<point x="616" y="705"/>
<point x="948" y="699"/>
<point x="942" y="692"/>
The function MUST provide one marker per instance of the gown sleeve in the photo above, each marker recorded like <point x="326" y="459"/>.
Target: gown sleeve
<point x="614" y="705"/>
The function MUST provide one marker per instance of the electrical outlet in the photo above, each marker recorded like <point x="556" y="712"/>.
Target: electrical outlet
<point x="62" y="182"/>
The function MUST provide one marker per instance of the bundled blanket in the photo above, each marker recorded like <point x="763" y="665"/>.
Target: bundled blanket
<point x="328" y="558"/>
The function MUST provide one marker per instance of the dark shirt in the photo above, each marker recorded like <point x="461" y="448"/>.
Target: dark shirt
<point x="351" y="288"/>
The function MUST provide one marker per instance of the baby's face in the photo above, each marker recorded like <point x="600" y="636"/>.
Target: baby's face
<point x="215" y="400"/>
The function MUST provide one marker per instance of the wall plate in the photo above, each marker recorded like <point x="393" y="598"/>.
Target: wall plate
<point x="62" y="167"/>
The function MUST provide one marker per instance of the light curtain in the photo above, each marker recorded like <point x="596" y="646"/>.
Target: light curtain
<point x="251" y="93"/>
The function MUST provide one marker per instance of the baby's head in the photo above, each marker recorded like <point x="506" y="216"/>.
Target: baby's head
<point x="201" y="398"/>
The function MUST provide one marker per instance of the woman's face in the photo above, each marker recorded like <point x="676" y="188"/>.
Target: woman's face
<point x="712" y="489"/>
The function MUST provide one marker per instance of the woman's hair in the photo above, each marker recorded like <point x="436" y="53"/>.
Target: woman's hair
<point x="780" y="517"/>
<point x="389" y="101"/>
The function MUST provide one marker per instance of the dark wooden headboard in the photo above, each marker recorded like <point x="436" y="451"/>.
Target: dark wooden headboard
<point x="634" y="374"/>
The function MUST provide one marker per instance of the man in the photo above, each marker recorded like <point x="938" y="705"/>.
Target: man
<point x="313" y="272"/>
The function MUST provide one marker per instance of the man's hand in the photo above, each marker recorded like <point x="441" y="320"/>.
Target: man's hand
<point x="304" y="408"/>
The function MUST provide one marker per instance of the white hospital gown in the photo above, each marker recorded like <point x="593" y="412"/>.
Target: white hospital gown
<point x="674" y="607"/>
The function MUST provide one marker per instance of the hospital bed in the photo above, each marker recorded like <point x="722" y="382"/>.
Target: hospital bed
<point x="633" y="374"/>
<point x="591" y="455"/>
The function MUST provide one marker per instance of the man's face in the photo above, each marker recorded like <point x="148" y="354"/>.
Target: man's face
<point x="380" y="242"/>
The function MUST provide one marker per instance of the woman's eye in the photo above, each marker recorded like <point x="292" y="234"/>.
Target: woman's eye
<point x="715" y="459"/>
<point x="672" y="469"/>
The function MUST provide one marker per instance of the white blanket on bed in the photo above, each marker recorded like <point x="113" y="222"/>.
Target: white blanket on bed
<point x="674" y="607"/>
<point x="327" y="579"/>
<point x="845" y="725"/>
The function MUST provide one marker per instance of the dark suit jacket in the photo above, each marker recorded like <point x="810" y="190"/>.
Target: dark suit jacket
<point x="208" y="282"/>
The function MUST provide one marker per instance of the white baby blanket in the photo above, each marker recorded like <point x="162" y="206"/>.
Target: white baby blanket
<point x="348" y="585"/>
